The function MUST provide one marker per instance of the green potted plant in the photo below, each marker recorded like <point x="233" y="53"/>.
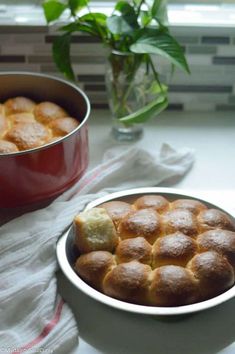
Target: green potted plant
<point x="136" y="34"/>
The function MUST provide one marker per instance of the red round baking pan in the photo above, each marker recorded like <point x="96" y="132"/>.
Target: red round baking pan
<point x="40" y="174"/>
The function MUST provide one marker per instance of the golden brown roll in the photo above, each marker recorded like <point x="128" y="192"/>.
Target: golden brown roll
<point x="63" y="126"/>
<point x="215" y="219"/>
<point x="28" y="135"/>
<point x="3" y="125"/>
<point x="156" y="202"/>
<point x="174" y="249"/>
<point x="2" y="109"/>
<point x="94" y="231"/>
<point x="7" y="147"/>
<point x="19" y="105"/>
<point x="21" y="118"/>
<point x="128" y="282"/>
<point x="93" y="266"/>
<point x="194" y="206"/>
<point x="117" y="210"/>
<point x="214" y="273"/>
<point x="53" y="139"/>
<point x="47" y="122"/>
<point x="180" y="220"/>
<point x="182" y="255"/>
<point x="172" y="286"/>
<point x="221" y="241"/>
<point x="134" y="249"/>
<point x="144" y="222"/>
<point x="46" y="112"/>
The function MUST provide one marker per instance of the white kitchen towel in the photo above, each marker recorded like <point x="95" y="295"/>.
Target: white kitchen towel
<point x="33" y="316"/>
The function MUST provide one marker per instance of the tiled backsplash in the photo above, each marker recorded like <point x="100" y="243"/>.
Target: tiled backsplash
<point x="210" y="51"/>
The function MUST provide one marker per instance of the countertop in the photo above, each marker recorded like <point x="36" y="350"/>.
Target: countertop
<point x="109" y="331"/>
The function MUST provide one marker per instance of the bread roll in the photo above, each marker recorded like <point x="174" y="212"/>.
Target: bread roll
<point x="215" y="219"/>
<point x="174" y="249"/>
<point x="134" y="249"/>
<point x="63" y="126"/>
<point x="128" y="282"/>
<point x="221" y="241"/>
<point x="181" y="254"/>
<point x="7" y="147"/>
<point x="2" y="109"/>
<point x="95" y="231"/>
<point x="117" y="210"/>
<point x="93" y="267"/>
<point x="18" y="105"/>
<point x="172" y="286"/>
<point x="156" y="202"/>
<point x="28" y="135"/>
<point x="180" y="220"/>
<point x="46" y="112"/>
<point x="28" y="125"/>
<point x="214" y="273"/>
<point x="3" y="125"/>
<point x="21" y="118"/>
<point x="194" y="206"/>
<point x="144" y="222"/>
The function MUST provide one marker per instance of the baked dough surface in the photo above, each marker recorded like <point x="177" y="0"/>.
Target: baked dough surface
<point x="156" y="252"/>
<point x="25" y="124"/>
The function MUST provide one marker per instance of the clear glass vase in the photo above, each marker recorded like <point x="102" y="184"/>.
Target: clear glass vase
<point x="127" y="83"/>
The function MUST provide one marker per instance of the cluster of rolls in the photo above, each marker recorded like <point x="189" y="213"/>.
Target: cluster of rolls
<point x="156" y="252"/>
<point x="25" y="124"/>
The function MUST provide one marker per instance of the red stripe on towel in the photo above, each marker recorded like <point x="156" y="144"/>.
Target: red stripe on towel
<point x="46" y="330"/>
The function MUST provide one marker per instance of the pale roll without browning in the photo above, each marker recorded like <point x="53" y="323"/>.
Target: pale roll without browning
<point x="94" y="231"/>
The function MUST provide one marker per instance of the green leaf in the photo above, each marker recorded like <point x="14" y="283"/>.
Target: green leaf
<point x="128" y="13"/>
<point x="95" y="17"/>
<point x="117" y="25"/>
<point x="53" y="9"/>
<point x="162" y="44"/>
<point x="159" y="11"/>
<point x="145" y="18"/>
<point x="158" y="89"/>
<point x="151" y="110"/>
<point x="61" y="55"/>
<point x="76" y="5"/>
<point x="81" y="27"/>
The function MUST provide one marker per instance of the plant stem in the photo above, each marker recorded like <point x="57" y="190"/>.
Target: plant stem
<point x="139" y="7"/>
<point x="99" y="30"/>
<point x="155" y="74"/>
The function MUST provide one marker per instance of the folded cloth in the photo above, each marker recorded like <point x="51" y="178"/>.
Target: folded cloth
<point x="34" y="318"/>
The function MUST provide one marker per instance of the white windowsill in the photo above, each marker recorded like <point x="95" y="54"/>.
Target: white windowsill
<point x="178" y="14"/>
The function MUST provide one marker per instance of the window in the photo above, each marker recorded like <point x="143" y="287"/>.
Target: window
<point x="202" y="2"/>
